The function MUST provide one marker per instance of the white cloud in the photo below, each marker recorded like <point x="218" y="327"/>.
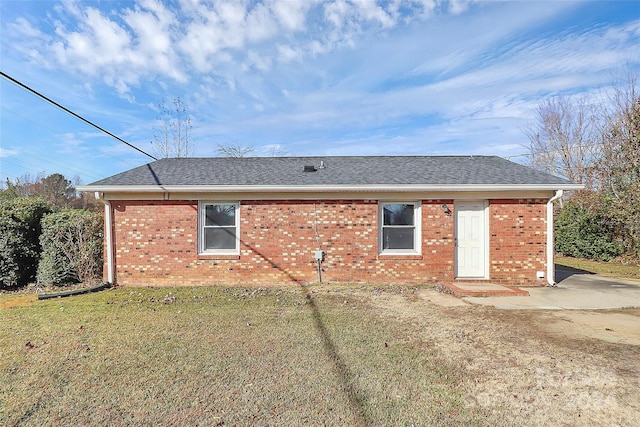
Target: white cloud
<point x="566" y="63"/>
<point x="370" y="11"/>
<point x="291" y="14"/>
<point x="478" y="106"/>
<point x="100" y="48"/>
<point x="261" y="24"/>
<point x="31" y="39"/>
<point x="261" y="63"/>
<point x="25" y="29"/>
<point x="154" y="42"/>
<point x="458" y="6"/>
<point x="349" y="19"/>
<point x="5" y="152"/>
<point x="336" y="12"/>
<point x="211" y="31"/>
<point x="288" y="54"/>
<point x="172" y="40"/>
<point x="73" y="144"/>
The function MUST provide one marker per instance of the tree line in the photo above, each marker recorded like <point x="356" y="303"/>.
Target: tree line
<point x="56" y="189"/>
<point x="597" y="143"/>
<point x="49" y="234"/>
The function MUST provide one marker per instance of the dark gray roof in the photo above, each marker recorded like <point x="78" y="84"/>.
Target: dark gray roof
<point x="347" y="171"/>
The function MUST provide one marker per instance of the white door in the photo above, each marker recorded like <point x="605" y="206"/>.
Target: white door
<point x="471" y="239"/>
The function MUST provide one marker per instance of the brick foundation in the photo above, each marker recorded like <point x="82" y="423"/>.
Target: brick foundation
<point x="156" y="243"/>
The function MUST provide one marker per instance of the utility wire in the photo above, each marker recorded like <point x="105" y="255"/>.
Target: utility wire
<point x="50" y="163"/>
<point x="49" y="100"/>
<point x="516" y="155"/>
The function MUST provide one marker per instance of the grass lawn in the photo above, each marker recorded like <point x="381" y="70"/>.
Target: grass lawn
<point x="220" y="356"/>
<point x="614" y="269"/>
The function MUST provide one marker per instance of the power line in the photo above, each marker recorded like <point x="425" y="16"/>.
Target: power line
<point x="49" y="100"/>
<point x="49" y="161"/>
<point x="556" y="150"/>
<point x="30" y="167"/>
<point x="516" y="155"/>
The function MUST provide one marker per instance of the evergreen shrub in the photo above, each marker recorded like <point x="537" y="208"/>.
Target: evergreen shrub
<point x="72" y="248"/>
<point x="20" y="225"/>
<point x="586" y="231"/>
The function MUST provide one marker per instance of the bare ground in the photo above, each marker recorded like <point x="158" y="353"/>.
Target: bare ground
<point x="533" y="367"/>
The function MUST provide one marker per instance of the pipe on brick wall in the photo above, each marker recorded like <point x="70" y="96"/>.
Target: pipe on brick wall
<point x="319" y="254"/>
<point x="108" y="235"/>
<point x="551" y="271"/>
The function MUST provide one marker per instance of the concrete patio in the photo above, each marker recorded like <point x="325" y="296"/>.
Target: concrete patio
<point x="574" y="290"/>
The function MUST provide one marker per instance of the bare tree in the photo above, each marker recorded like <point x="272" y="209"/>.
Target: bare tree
<point x="26" y="185"/>
<point x="619" y="165"/>
<point x="565" y="138"/>
<point x="233" y="150"/>
<point x="55" y="188"/>
<point x="277" y="150"/>
<point x="172" y="132"/>
<point x="600" y="147"/>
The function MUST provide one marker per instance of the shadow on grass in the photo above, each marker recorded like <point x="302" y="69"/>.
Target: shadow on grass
<point x="342" y="370"/>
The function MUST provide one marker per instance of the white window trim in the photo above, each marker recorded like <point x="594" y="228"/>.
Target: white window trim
<point x="201" y="222"/>
<point x="417" y="223"/>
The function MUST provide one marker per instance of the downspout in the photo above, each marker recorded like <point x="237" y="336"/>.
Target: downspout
<point x="551" y="271"/>
<point x="108" y="236"/>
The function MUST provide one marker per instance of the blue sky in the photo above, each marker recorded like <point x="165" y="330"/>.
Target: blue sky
<point x="343" y="77"/>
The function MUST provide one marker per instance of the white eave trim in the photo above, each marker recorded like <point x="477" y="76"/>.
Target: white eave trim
<point x="319" y="188"/>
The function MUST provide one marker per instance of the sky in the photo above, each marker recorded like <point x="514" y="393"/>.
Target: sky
<point x="296" y="77"/>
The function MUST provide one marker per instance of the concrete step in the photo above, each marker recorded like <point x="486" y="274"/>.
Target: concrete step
<point x="475" y="289"/>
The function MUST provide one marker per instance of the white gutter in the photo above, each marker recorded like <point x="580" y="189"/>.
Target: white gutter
<point x="318" y="188"/>
<point x="108" y="227"/>
<point x="551" y="271"/>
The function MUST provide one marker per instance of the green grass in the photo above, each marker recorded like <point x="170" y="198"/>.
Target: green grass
<point x="216" y="356"/>
<point x="612" y="268"/>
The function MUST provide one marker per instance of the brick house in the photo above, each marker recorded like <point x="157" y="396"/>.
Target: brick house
<point x="279" y="220"/>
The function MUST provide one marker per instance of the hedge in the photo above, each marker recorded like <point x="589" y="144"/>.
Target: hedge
<point x="586" y="231"/>
<point x="20" y="226"/>
<point x="71" y="243"/>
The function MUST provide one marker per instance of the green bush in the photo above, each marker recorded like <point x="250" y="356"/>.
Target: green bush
<point x="71" y="247"/>
<point x="584" y="230"/>
<point x="20" y="225"/>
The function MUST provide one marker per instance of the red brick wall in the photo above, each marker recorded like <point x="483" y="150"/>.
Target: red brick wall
<point x="518" y="237"/>
<point x="155" y="243"/>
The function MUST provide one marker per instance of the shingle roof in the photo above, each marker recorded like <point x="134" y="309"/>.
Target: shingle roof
<point x="338" y="171"/>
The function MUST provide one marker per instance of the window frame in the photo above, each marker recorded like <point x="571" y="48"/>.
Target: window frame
<point x="202" y="211"/>
<point x="417" y="227"/>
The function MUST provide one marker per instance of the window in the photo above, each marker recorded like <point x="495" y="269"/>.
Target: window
<point x="218" y="231"/>
<point x="399" y="228"/>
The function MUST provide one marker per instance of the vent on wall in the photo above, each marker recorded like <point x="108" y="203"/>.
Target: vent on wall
<point x="310" y="168"/>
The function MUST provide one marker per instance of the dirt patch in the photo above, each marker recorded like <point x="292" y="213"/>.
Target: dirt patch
<point x="17" y="300"/>
<point x="614" y="327"/>
<point x="532" y="367"/>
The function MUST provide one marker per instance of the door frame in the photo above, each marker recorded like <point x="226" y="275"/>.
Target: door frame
<point x="460" y="203"/>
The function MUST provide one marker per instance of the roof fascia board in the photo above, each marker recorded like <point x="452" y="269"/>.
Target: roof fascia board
<point x="321" y="188"/>
<point x="386" y="196"/>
